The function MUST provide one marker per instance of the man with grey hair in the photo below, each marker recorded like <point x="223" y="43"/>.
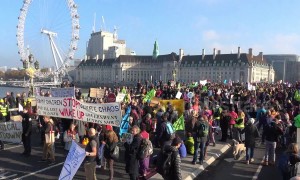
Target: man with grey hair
<point x="91" y="153"/>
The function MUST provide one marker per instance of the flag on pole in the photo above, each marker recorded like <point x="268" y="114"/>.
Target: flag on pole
<point x="73" y="161"/>
<point x="179" y="124"/>
<point x="194" y="84"/>
<point x="149" y="95"/>
<point x="20" y="107"/>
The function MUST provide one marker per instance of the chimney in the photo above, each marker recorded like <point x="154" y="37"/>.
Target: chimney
<point x="250" y="52"/>
<point x="219" y="52"/>
<point x="239" y="53"/>
<point x="103" y="57"/>
<point x="97" y="57"/>
<point x="85" y="57"/>
<point x="261" y="55"/>
<point x="214" y="54"/>
<point x="203" y="54"/>
<point x="180" y="54"/>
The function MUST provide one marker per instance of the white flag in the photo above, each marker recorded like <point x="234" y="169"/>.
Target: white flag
<point x="73" y="161"/>
<point x="20" y="107"/>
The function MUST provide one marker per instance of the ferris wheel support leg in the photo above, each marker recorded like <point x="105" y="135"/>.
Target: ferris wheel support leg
<point x="53" y="51"/>
<point x="57" y="52"/>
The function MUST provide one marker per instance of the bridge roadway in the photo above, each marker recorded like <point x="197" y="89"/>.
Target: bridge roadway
<point x="15" y="166"/>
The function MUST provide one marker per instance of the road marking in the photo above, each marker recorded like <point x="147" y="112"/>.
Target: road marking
<point x="242" y="176"/>
<point x="7" y="177"/>
<point x="5" y="148"/>
<point x="36" y="172"/>
<point x="258" y="170"/>
<point x="4" y="173"/>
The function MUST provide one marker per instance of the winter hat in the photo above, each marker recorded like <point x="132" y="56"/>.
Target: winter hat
<point x="251" y="121"/>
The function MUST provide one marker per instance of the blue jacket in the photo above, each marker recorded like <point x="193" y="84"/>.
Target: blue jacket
<point x="182" y="150"/>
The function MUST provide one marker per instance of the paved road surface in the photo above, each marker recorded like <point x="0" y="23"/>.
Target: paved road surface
<point x="227" y="168"/>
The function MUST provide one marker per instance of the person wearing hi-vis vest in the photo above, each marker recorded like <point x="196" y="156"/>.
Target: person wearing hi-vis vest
<point x="297" y="98"/>
<point x="3" y="110"/>
<point x="217" y="115"/>
<point x="239" y="126"/>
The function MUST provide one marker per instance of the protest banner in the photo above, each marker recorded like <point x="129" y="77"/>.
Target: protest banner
<point x="106" y="113"/>
<point x="178" y="104"/>
<point x="63" y="92"/>
<point x="73" y="161"/>
<point x="11" y="132"/>
<point x="154" y="101"/>
<point x="120" y="97"/>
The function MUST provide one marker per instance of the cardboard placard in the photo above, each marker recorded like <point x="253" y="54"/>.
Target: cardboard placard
<point x="178" y="95"/>
<point x="97" y="93"/>
<point x="120" y="97"/>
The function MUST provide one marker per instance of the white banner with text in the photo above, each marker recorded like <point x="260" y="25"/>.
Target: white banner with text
<point x="105" y="113"/>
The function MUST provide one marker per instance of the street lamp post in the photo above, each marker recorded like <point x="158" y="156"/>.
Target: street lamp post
<point x="174" y="74"/>
<point x="30" y="67"/>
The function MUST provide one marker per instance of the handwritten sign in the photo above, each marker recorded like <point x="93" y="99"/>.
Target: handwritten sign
<point x="178" y="95"/>
<point x="73" y="161"/>
<point x="97" y="93"/>
<point x="11" y="132"/>
<point x="63" y="92"/>
<point x="120" y="97"/>
<point x="106" y="113"/>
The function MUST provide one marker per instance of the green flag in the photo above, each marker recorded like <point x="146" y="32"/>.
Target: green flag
<point x="179" y="124"/>
<point x="149" y="95"/>
<point x="194" y="84"/>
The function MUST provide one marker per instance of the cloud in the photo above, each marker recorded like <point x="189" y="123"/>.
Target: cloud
<point x="200" y="22"/>
<point x="210" y="35"/>
<point x="287" y="43"/>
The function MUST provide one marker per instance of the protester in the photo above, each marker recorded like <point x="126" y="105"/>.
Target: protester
<point x="200" y="132"/>
<point x="293" y="158"/>
<point x="224" y="124"/>
<point x="144" y="163"/>
<point x="131" y="150"/>
<point x="81" y="129"/>
<point x="111" y="141"/>
<point x="91" y="153"/>
<point x="48" y="148"/>
<point x="272" y="133"/>
<point x="69" y="136"/>
<point x="251" y="133"/>
<point x="175" y="166"/>
<point x="166" y="131"/>
<point x="26" y="133"/>
<point x="189" y="143"/>
<point x="3" y="110"/>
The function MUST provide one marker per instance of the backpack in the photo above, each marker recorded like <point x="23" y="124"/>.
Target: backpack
<point x="284" y="164"/>
<point x="297" y="95"/>
<point x="145" y="149"/>
<point x="217" y="113"/>
<point x="202" y="130"/>
<point x="170" y="131"/>
<point x="164" y="163"/>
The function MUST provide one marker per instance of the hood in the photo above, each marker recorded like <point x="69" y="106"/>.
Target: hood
<point x="169" y="148"/>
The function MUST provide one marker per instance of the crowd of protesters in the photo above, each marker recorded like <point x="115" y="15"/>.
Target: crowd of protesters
<point x="234" y="111"/>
